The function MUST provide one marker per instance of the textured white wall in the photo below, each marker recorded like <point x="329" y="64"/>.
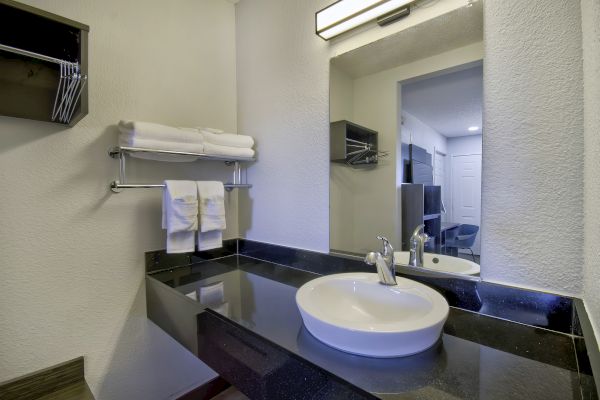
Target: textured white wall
<point x="342" y="179"/>
<point x="72" y="252"/>
<point x="283" y="86"/>
<point x="590" y="11"/>
<point x="341" y="96"/>
<point x="533" y="145"/>
<point x="419" y="133"/>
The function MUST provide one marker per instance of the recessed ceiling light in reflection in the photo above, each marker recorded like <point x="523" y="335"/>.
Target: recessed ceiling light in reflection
<point x="473" y="128"/>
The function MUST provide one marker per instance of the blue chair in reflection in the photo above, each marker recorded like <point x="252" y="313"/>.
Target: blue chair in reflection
<point x="464" y="239"/>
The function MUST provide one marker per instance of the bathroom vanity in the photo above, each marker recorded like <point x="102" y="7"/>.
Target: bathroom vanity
<point x="236" y="310"/>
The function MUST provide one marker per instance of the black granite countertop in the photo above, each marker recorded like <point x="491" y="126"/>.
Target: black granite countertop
<point x="477" y="357"/>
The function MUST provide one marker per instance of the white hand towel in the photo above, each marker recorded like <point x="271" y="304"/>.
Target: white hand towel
<point x="211" y="200"/>
<point x="228" y="139"/>
<point x="149" y="130"/>
<point x="181" y="242"/>
<point x="134" y="141"/>
<point x="180" y="215"/>
<point x="210" y="240"/>
<point x="226" y="151"/>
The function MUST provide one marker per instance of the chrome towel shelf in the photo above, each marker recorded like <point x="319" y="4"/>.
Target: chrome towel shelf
<point x="120" y="153"/>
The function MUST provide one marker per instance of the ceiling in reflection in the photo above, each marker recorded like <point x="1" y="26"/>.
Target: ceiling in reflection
<point x="449" y="103"/>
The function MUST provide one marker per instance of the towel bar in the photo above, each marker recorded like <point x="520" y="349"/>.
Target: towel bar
<point x="120" y="152"/>
<point x="116" y="187"/>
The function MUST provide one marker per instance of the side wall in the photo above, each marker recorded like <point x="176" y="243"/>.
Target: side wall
<point x="418" y="133"/>
<point x="72" y="252"/>
<point x="590" y="11"/>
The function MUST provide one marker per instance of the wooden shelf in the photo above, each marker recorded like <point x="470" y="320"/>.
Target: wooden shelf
<point x="29" y="77"/>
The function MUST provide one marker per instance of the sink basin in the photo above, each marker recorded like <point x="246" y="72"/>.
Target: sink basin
<point x="442" y="263"/>
<point x="355" y="313"/>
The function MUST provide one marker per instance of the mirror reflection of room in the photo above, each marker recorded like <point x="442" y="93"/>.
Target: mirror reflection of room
<point x="441" y="136"/>
<point x="406" y="145"/>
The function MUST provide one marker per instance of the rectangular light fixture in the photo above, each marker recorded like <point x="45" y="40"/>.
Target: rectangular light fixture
<point x="344" y="15"/>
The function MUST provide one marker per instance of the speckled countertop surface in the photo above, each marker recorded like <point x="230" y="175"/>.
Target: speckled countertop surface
<point x="477" y="357"/>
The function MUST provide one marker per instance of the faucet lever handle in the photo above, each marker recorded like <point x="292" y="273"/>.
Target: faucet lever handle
<point x="386" y="244"/>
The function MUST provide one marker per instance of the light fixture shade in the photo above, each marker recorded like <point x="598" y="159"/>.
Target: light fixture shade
<point x="344" y="15"/>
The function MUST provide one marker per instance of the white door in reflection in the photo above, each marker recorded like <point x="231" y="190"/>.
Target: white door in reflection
<point x="466" y="191"/>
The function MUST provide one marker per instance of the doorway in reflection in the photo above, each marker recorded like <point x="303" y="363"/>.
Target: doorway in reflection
<point x="441" y="148"/>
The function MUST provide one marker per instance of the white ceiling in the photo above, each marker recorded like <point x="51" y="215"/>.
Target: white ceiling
<point x="449" y="103"/>
<point x="454" y="29"/>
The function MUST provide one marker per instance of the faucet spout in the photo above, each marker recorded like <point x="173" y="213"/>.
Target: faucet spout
<point x="417" y="246"/>
<point x="384" y="261"/>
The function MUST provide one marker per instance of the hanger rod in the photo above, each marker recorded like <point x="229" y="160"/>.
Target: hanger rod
<point x="34" y="55"/>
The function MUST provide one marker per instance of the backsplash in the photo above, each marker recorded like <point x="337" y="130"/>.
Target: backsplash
<point x="544" y="310"/>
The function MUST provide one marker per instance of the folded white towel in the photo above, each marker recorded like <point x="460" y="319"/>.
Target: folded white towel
<point x="134" y="141"/>
<point x="211" y="201"/>
<point x="217" y="150"/>
<point x="211" y="213"/>
<point x="228" y="139"/>
<point x="180" y="215"/>
<point x="149" y="130"/>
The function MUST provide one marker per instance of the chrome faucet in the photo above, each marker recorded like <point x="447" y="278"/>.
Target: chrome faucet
<point x="417" y="246"/>
<point x="386" y="269"/>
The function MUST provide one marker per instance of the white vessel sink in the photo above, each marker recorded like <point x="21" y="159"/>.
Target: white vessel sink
<point x="355" y="313"/>
<point x="442" y="263"/>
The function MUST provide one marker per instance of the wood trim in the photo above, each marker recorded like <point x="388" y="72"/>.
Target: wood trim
<point x="43" y="382"/>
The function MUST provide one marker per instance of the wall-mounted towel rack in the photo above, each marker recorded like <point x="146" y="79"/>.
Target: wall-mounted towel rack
<point x="120" y="153"/>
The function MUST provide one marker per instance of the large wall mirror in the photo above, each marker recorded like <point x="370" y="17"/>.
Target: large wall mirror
<point x="406" y="144"/>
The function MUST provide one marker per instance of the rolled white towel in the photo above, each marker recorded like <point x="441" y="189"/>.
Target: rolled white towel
<point x="213" y="130"/>
<point x="226" y="151"/>
<point x="228" y="139"/>
<point x="134" y="141"/>
<point x="152" y="131"/>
